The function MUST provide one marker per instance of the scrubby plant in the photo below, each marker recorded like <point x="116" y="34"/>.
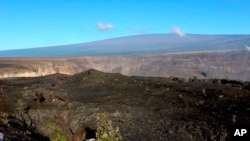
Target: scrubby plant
<point x="195" y="79"/>
<point x="51" y="126"/>
<point x="105" y="131"/>
<point x="58" y="137"/>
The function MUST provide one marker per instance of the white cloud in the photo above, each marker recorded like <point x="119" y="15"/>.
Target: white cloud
<point x="105" y="27"/>
<point x="178" y="31"/>
<point x="247" y="48"/>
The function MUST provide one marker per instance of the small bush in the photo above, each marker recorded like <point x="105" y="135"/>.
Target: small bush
<point x="51" y="126"/>
<point x="105" y="130"/>
<point x="58" y="137"/>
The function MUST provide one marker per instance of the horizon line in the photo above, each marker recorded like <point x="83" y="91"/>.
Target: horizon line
<point x="186" y="34"/>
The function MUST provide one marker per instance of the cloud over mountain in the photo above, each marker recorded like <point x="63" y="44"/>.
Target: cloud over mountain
<point x="247" y="48"/>
<point x="105" y="27"/>
<point x="178" y="31"/>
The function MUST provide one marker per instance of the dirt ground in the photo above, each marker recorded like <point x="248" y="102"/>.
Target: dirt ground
<point x="144" y="108"/>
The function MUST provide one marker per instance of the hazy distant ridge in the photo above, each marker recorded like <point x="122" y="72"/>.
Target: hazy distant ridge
<point x="137" y="45"/>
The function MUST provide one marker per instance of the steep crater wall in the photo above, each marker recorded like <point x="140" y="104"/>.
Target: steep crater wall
<point x="223" y="65"/>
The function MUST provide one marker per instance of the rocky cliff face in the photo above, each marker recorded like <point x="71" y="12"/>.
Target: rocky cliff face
<point x="226" y="64"/>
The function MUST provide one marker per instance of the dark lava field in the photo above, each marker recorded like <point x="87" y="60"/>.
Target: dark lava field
<point x="144" y="108"/>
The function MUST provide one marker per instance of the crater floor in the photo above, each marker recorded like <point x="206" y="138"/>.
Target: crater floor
<point x="144" y="108"/>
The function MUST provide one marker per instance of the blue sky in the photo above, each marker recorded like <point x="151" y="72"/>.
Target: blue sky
<point x="39" y="23"/>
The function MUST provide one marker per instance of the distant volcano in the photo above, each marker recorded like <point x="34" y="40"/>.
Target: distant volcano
<point x="138" y="45"/>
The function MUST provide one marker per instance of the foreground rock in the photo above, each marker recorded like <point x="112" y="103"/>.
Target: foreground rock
<point x="144" y="108"/>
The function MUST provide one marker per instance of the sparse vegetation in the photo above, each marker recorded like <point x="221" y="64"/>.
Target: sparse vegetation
<point x="51" y="125"/>
<point x="194" y="79"/>
<point x="105" y="130"/>
<point x="21" y="105"/>
<point x="160" y="109"/>
<point x="56" y="134"/>
<point x="58" y="137"/>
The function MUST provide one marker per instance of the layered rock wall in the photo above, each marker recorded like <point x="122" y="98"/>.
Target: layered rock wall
<point x="227" y="64"/>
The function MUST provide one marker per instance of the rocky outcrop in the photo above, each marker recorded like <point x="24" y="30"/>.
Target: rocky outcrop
<point x="144" y="108"/>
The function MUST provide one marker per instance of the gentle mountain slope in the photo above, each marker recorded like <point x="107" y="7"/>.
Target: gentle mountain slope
<point x="136" y="45"/>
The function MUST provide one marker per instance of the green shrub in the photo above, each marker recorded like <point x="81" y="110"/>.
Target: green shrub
<point x="51" y="126"/>
<point x="58" y="137"/>
<point x="105" y="130"/>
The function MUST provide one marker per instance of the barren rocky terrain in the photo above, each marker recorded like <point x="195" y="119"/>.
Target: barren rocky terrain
<point x="178" y="96"/>
<point x="144" y="108"/>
